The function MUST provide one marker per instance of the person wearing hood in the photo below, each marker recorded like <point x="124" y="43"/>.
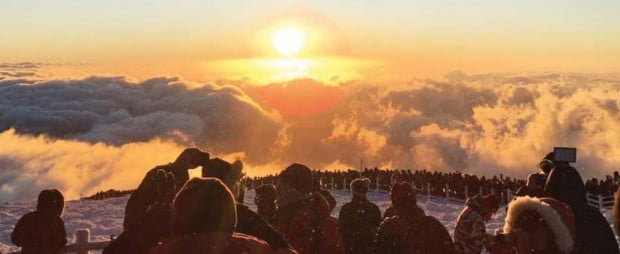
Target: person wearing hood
<point x="42" y="231"/>
<point x="203" y="219"/>
<point x="537" y="225"/>
<point x="248" y="221"/>
<point x="410" y="230"/>
<point x="304" y="215"/>
<point x="145" y="195"/>
<point x="470" y="235"/>
<point x="359" y="219"/>
<point x="593" y="233"/>
<point x="535" y="184"/>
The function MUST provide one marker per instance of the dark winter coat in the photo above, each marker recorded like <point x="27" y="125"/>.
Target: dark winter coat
<point x="359" y="221"/>
<point x="470" y="230"/>
<point x="412" y="233"/>
<point x="146" y="195"/>
<point x="593" y="233"/>
<point x="40" y="233"/>
<point x="268" y="214"/>
<point x="308" y="226"/>
<point x="250" y="223"/>
<point x="213" y="243"/>
<point x="156" y="226"/>
<point x="389" y="212"/>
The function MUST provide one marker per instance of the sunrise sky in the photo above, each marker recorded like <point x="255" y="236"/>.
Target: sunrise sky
<point x="342" y="40"/>
<point x="95" y="92"/>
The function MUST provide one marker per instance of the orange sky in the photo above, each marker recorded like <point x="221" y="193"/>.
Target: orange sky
<point x="342" y="41"/>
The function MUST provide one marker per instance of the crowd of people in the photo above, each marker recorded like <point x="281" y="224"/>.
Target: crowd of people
<point x="441" y="183"/>
<point x="605" y="187"/>
<point x="171" y="213"/>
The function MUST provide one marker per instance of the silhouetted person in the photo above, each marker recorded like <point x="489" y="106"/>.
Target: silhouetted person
<point x="535" y="184"/>
<point x="156" y="224"/>
<point x="616" y="211"/>
<point x="42" y="231"/>
<point x="248" y="221"/>
<point x="390" y="211"/>
<point x="145" y="195"/>
<point x="265" y="200"/>
<point x="594" y="234"/>
<point x="410" y="230"/>
<point x="359" y="219"/>
<point x="204" y="218"/>
<point x="303" y="215"/>
<point x="470" y="234"/>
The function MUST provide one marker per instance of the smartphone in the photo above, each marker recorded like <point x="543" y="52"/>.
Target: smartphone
<point x="565" y="154"/>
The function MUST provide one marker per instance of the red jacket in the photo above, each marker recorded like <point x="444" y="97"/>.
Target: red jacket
<point x="213" y="243"/>
<point x="308" y="227"/>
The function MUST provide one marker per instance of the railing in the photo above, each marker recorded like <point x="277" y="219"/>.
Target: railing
<point x="82" y="243"/>
<point x="597" y="201"/>
<point x="600" y="201"/>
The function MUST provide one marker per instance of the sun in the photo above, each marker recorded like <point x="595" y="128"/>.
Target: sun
<point x="288" y="41"/>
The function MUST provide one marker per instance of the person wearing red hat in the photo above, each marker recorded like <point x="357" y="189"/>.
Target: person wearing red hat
<point x="410" y="230"/>
<point x="470" y="232"/>
<point x="537" y="225"/>
<point x="304" y="215"/>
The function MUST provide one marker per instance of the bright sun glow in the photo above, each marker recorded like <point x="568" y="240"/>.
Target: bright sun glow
<point x="288" y="41"/>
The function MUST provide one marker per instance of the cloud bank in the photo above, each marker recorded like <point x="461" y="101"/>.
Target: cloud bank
<point x="88" y="134"/>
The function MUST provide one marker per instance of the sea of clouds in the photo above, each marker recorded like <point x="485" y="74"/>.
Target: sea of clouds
<point x="86" y="134"/>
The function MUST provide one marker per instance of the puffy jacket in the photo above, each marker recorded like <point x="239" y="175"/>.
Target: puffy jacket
<point x="40" y="233"/>
<point x="412" y="233"/>
<point x="308" y="226"/>
<point x="359" y="221"/>
<point x="470" y="231"/>
<point x="213" y="243"/>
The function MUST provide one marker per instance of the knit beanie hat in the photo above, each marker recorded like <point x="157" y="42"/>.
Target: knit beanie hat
<point x="204" y="205"/>
<point x="298" y="176"/>
<point x="360" y="185"/>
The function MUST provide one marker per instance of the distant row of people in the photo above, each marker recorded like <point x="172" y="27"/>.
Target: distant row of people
<point x="440" y="183"/>
<point x="606" y="186"/>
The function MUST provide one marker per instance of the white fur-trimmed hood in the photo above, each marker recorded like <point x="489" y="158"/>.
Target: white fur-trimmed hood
<point x="547" y="209"/>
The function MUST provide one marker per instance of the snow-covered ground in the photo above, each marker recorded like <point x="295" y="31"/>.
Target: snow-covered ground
<point x="105" y="217"/>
